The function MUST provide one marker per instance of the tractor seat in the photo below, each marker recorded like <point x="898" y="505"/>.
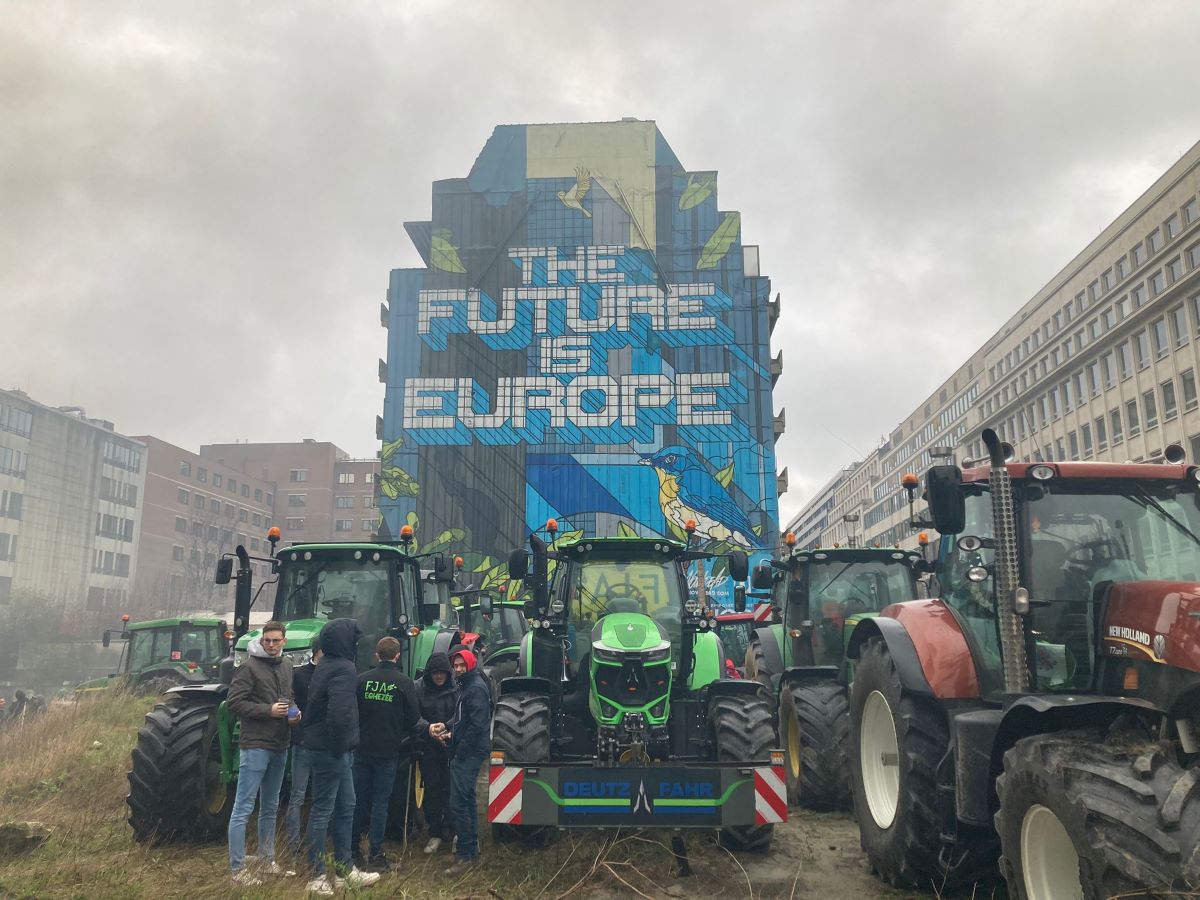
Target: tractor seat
<point x="622" y="605"/>
<point x="195" y="655"/>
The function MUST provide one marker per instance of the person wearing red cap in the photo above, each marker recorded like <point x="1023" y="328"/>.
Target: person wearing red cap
<point x="468" y="739"/>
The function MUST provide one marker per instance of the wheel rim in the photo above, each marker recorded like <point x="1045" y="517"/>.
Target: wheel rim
<point x="1049" y="863"/>
<point x="879" y="755"/>
<point x="216" y="791"/>
<point x="793" y="744"/>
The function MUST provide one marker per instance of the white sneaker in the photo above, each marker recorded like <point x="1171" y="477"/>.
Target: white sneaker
<point x="273" y="868"/>
<point x="320" y="886"/>
<point x="454" y="844"/>
<point x="433" y="845"/>
<point x="356" y="877"/>
<point x="246" y="878"/>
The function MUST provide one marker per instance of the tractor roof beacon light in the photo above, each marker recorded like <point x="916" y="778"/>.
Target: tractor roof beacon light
<point x="406" y="534"/>
<point x="552" y="526"/>
<point x="459" y="562"/>
<point x="273" y="535"/>
<point x="790" y="539"/>
<point x="125" y="617"/>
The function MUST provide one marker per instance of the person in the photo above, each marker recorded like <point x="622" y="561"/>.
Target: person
<point x="20" y="702"/>
<point x="438" y="696"/>
<point x="330" y="735"/>
<point x="388" y="715"/>
<point x="301" y="766"/>
<point x="468" y="741"/>
<point x="260" y="695"/>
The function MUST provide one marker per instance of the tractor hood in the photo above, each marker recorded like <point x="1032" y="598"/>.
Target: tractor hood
<point x="1154" y="620"/>
<point x="628" y="633"/>
<point x="301" y="637"/>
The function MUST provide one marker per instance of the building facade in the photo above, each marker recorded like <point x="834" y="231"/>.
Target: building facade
<point x="588" y="340"/>
<point x="1100" y="364"/>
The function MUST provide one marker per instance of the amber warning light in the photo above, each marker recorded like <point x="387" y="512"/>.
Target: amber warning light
<point x="552" y="525"/>
<point x="273" y="533"/>
<point x="790" y="539"/>
<point x="406" y="532"/>
<point x="125" y="617"/>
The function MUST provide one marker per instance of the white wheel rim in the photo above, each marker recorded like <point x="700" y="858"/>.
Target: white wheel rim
<point x="1049" y="863"/>
<point x="879" y="754"/>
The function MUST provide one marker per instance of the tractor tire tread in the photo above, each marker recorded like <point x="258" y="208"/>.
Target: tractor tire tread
<point x="743" y="730"/>
<point x="822" y="710"/>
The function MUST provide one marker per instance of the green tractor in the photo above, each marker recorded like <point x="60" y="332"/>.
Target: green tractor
<point x="621" y="713"/>
<point x="160" y="654"/>
<point x="185" y="765"/>
<point x="493" y="627"/>
<point x="819" y="595"/>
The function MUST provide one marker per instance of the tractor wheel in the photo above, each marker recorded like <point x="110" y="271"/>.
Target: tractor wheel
<point x="1085" y="816"/>
<point x="757" y="670"/>
<point x="814" y="725"/>
<point x="896" y="743"/>
<point x="521" y="731"/>
<point x="175" y="787"/>
<point x="743" y="730"/>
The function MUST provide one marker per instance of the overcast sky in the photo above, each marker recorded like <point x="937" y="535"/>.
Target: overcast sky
<point x="200" y="201"/>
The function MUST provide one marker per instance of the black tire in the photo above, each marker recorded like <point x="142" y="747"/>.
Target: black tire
<point x="153" y="685"/>
<point x="814" y="726"/>
<point x="756" y="668"/>
<point x="175" y="789"/>
<point x="1131" y="813"/>
<point x="910" y="850"/>
<point x="521" y="731"/>
<point x="743" y="730"/>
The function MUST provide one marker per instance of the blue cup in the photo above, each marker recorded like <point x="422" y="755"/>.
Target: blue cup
<point x="293" y="712"/>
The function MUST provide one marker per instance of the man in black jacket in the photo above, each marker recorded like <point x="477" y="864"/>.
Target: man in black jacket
<point x="438" y="696"/>
<point x="388" y="718"/>
<point x="330" y="734"/>
<point x="469" y="742"/>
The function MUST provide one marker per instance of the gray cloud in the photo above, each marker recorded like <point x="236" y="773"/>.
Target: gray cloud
<point x="201" y="202"/>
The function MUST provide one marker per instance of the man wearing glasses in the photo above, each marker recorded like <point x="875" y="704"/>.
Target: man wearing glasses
<point x="260" y="696"/>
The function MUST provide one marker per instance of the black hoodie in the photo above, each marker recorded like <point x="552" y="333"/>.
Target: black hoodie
<point x="437" y="703"/>
<point x="388" y="712"/>
<point x="330" y="720"/>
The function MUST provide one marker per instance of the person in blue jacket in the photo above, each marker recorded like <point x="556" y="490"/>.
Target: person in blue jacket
<point x="469" y="742"/>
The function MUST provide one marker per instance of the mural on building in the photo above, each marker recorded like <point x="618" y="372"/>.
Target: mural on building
<point x="584" y="344"/>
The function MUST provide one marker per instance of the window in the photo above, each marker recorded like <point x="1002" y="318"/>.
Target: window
<point x="12" y="462"/>
<point x="297" y="499"/>
<point x="184" y="497"/>
<point x="200" y="501"/>
<point x="1194" y="255"/>
<point x="1106" y="280"/>
<point x="1138" y="254"/>
<point x="369" y="502"/>
<point x="202" y="475"/>
<point x="1101" y="434"/>
<point x="214" y="505"/>
<point x="296" y="475"/>
<point x="1171" y="226"/>
<point x="1141" y="350"/>
<point x="1086" y="431"/>
<point x="1187" y="379"/>
<point x="216" y="479"/>
<point x="1138" y="295"/>
<point x="345" y="478"/>
<point x="229" y="511"/>
<point x="198" y="529"/>
<point x="1074" y="442"/>
<point x="1122" y="268"/>
<point x="1131" y="418"/>
<point x="1190" y="211"/>
<point x="344" y="502"/>
<point x="243" y="515"/>
<point x="270" y="499"/>
<point x="1149" y="410"/>
<point x="1158" y="283"/>
<point x="232" y="485"/>
<point x="254" y="544"/>
<point x="369" y="477"/>
<point x="1108" y="318"/>
<point x="181" y="524"/>
<point x="1174" y="270"/>
<point x="343" y="524"/>
<point x="258" y="495"/>
<point x="1114" y="419"/>
<point x="185" y="468"/>
<point x="1122" y="307"/>
<point x="295" y="524"/>
<point x="245" y="490"/>
<point x="1094" y="378"/>
<point x="256" y="520"/>
<point x="1179" y="325"/>
<point x="1161" y="342"/>
<point x="177" y="553"/>
<point x="368" y="524"/>
<point x="1124" y="360"/>
<point x="1106" y="369"/>
<point x="1067" y="395"/>
<point x="1155" y="241"/>
<point x="1054" y="402"/>
<point x="1170" y="410"/>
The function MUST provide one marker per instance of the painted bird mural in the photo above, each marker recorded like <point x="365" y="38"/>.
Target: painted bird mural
<point x="573" y="199"/>
<point x="686" y="490"/>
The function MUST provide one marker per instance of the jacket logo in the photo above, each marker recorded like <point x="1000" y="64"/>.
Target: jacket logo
<point x="378" y="690"/>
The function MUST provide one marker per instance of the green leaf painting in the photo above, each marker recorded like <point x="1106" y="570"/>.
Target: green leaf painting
<point x="394" y="482"/>
<point x="720" y="242"/>
<point x="390" y="448"/>
<point x="444" y="255"/>
<point x="624" y="529"/>
<point x="725" y="476"/>
<point x="697" y="191"/>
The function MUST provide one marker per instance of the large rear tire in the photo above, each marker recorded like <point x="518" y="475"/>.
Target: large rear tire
<point x="756" y="668"/>
<point x="814" y="726"/>
<point x="1084" y="816"/>
<point x="175" y="787"/>
<point x="521" y="731"/>
<point x="743" y="730"/>
<point x="897" y="741"/>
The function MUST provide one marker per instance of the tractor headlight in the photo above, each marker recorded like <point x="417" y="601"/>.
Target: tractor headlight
<point x="298" y="657"/>
<point x="557" y="606"/>
<point x="658" y="654"/>
<point x="977" y="574"/>
<point x="603" y="654"/>
<point x="239" y="657"/>
<point x="1041" y="473"/>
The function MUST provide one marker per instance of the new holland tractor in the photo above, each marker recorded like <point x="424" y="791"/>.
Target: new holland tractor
<point x="1046" y="709"/>
<point x="820" y="595"/>
<point x="159" y="654"/>
<point x="621" y="714"/>
<point x="185" y="765"/>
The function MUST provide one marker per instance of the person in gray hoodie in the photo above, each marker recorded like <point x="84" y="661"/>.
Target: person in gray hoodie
<point x="260" y="695"/>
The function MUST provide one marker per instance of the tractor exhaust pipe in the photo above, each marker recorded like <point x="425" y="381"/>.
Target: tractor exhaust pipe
<point x="1007" y="574"/>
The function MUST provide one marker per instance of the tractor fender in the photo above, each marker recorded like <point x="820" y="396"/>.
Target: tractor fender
<point x="708" y="661"/>
<point x="526" y="684"/>
<point x="443" y="641"/>
<point x="206" y="692"/>
<point x="808" y="673"/>
<point x="524" y="654"/>
<point x="734" y="687"/>
<point x="927" y="646"/>
<point x="772" y="651"/>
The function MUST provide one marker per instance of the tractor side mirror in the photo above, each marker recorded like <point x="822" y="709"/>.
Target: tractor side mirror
<point x="518" y="565"/>
<point x="946" y="502"/>
<point x="739" y="598"/>
<point x="485" y="604"/>
<point x="224" y="570"/>
<point x="739" y="565"/>
<point x="530" y="610"/>
<point x="106" y="639"/>
<point x="764" y="577"/>
<point x="443" y="570"/>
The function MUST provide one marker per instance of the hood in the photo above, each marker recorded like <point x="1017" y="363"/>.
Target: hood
<point x="301" y="634"/>
<point x="438" y="662"/>
<point x="255" y="648"/>
<point x="468" y="658"/>
<point x="340" y="638"/>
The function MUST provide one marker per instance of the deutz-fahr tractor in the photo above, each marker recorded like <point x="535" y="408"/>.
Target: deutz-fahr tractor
<point x="1049" y="702"/>
<point x="820" y="595"/>
<point x="185" y="764"/>
<point x="621" y="714"/>
<point x="159" y="654"/>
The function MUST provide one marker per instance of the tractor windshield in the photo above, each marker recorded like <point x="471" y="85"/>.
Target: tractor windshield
<point x="504" y="627"/>
<point x="593" y="588"/>
<point x="199" y="644"/>
<point x="844" y="588"/>
<point x="336" y="588"/>
<point x="148" y="646"/>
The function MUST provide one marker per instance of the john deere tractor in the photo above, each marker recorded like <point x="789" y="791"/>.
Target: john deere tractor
<point x="185" y="765"/>
<point x="621" y="713"/>
<point x="819" y="596"/>
<point x="493" y="627"/>
<point x="159" y="654"/>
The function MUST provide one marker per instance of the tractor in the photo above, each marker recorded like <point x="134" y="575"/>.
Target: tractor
<point x="493" y="627"/>
<point x="1045" y="709"/>
<point x="621" y="714"/>
<point x="819" y="595"/>
<point x="163" y="653"/>
<point x="185" y="765"/>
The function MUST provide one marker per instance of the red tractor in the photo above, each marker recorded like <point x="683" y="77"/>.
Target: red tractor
<point x="1046" y="709"/>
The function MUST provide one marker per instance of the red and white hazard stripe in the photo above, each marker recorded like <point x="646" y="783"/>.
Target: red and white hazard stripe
<point x="504" y="794"/>
<point x="770" y="796"/>
<point x="762" y="612"/>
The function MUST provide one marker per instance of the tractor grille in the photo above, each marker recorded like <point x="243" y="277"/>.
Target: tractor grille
<point x="632" y="683"/>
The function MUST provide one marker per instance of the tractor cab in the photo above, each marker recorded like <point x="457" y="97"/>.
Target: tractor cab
<point x="159" y="654"/>
<point x="493" y="627"/>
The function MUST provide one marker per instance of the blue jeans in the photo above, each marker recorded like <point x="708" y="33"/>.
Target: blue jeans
<point x="463" y="807"/>
<point x="301" y="776"/>
<point x="373" y="780"/>
<point x="333" y="801"/>
<point x="260" y="775"/>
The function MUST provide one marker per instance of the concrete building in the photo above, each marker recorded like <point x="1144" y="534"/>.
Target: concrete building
<point x="195" y="509"/>
<point x="71" y="492"/>
<point x="1099" y="364"/>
